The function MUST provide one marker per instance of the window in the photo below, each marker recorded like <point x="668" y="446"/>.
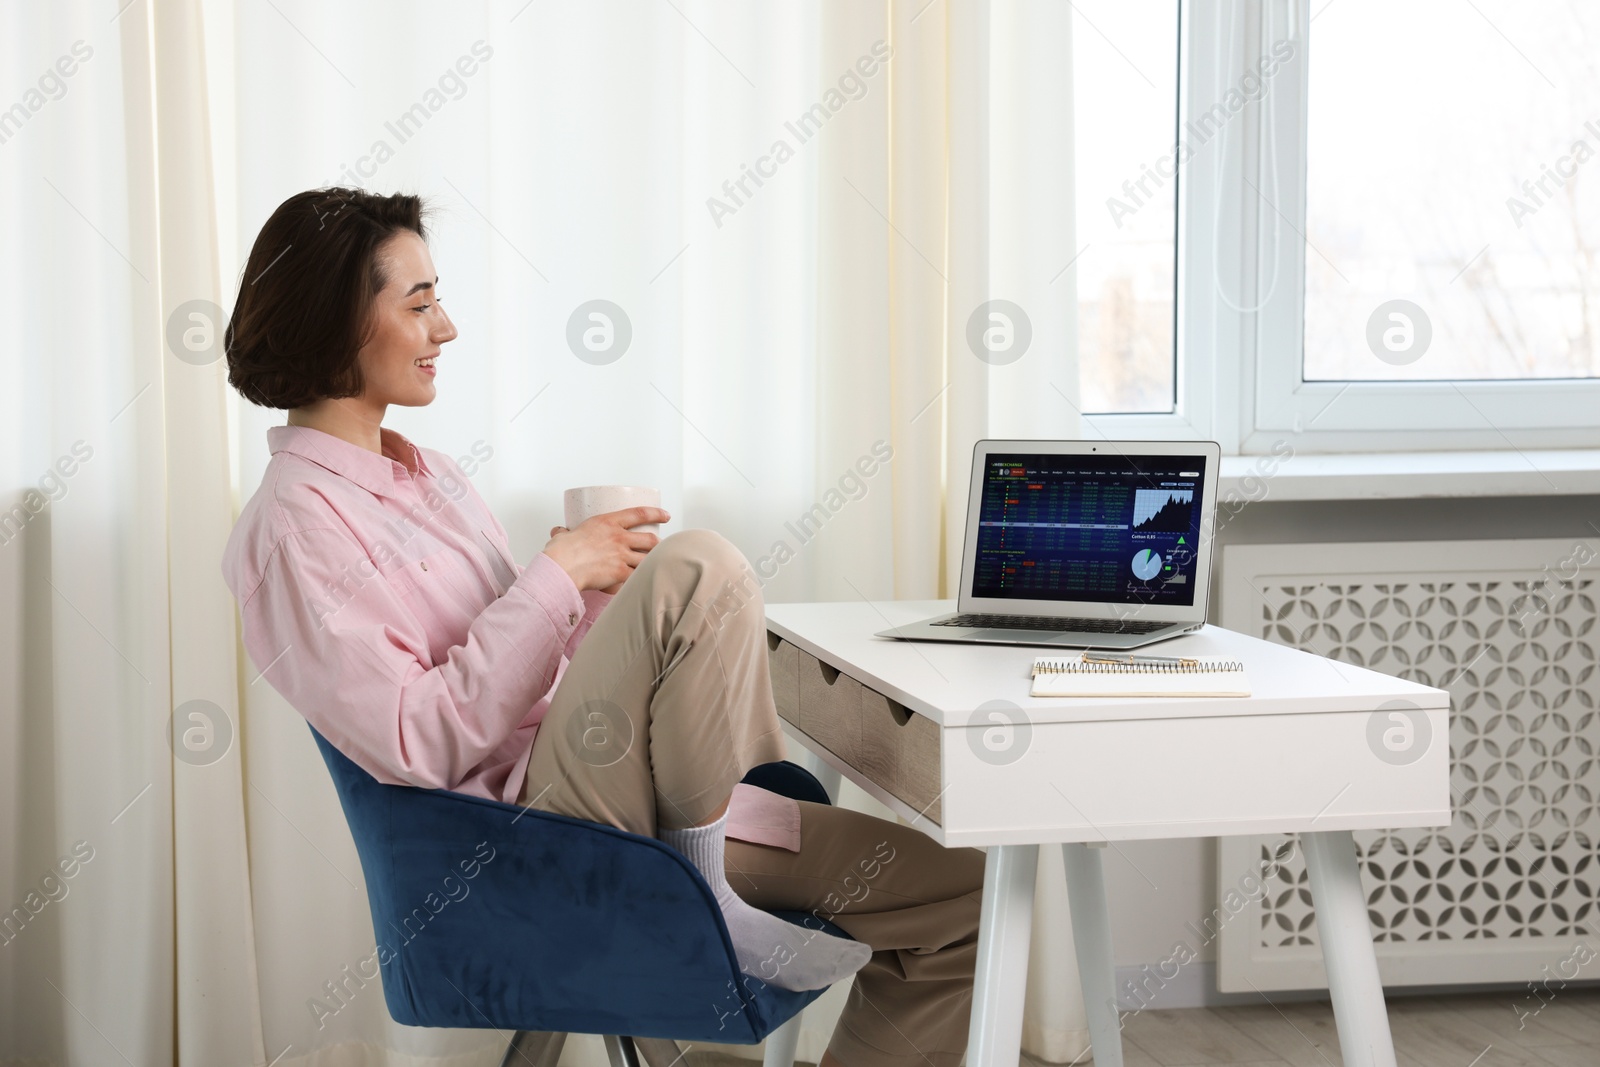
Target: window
<point x="1388" y="222"/>
<point x="1452" y="191"/>
<point x="1125" y="110"/>
<point x="1388" y="298"/>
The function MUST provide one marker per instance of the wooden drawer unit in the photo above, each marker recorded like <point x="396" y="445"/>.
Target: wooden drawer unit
<point x="892" y="745"/>
<point x="901" y="749"/>
<point x="784" y="661"/>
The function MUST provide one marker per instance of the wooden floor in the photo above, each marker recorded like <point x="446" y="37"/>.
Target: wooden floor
<point x="1481" y="1030"/>
<point x="1485" y="1030"/>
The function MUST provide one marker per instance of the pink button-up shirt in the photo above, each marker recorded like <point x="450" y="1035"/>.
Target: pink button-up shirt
<point x="379" y="595"/>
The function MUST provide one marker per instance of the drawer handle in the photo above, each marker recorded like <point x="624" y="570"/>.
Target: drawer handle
<point x="773" y="641"/>
<point x="830" y="674"/>
<point x="901" y="713"/>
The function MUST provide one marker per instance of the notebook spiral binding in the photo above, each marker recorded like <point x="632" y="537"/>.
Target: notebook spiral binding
<point x="1072" y="666"/>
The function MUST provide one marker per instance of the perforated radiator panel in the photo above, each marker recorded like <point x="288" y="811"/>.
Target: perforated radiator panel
<point x="1508" y="628"/>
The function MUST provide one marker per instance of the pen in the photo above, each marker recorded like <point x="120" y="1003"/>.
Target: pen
<point x="1112" y="657"/>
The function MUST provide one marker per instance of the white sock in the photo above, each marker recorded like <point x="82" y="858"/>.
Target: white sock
<point x="777" y="952"/>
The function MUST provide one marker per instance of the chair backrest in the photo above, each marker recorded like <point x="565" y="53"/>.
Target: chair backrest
<point x="489" y="915"/>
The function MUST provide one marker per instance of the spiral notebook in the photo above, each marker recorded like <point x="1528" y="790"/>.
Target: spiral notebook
<point x="1072" y="677"/>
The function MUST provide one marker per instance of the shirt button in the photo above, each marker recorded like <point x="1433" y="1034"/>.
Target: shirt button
<point x="424" y="564"/>
<point x="572" y="618"/>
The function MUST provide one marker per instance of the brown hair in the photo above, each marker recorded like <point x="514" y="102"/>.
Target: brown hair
<point x="306" y="295"/>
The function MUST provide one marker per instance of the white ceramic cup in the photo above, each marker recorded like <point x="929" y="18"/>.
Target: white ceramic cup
<point x="588" y="501"/>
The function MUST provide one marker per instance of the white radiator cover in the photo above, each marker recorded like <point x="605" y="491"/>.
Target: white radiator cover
<point x="1510" y="891"/>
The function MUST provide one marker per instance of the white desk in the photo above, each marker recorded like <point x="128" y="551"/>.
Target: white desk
<point x="947" y="737"/>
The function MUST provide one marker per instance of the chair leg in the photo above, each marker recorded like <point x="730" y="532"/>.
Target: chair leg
<point x="781" y="1044"/>
<point x="620" y="1051"/>
<point x="658" y="1051"/>
<point x="533" y="1048"/>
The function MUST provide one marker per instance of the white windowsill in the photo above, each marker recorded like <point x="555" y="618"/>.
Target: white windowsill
<point x="1413" y="475"/>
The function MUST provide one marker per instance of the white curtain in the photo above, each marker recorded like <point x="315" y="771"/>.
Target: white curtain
<point x="788" y="309"/>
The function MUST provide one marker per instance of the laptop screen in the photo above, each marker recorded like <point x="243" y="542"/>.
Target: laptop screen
<point x="1108" y="528"/>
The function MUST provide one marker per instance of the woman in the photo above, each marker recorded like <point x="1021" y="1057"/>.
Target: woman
<point x="618" y="678"/>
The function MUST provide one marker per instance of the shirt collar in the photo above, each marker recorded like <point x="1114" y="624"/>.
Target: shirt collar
<point x="367" y="469"/>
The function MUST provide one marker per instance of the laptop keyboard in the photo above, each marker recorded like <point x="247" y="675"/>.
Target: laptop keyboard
<point x="1034" y="622"/>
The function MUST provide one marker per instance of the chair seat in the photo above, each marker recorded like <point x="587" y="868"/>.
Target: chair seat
<point x="489" y="915"/>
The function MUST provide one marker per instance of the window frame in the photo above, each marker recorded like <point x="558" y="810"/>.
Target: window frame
<point x="1240" y="362"/>
<point x="1199" y="361"/>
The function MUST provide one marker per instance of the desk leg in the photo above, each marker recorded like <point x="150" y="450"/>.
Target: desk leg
<point x="994" y="1038"/>
<point x="1091" y="934"/>
<point x="826" y="776"/>
<point x="829" y="779"/>
<point x="1346" y="936"/>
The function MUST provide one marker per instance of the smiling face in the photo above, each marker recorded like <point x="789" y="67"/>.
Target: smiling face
<point x="409" y="326"/>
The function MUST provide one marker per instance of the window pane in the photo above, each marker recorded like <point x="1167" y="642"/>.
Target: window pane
<point x="1451" y="164"/>
<point x="1125" y="111"/>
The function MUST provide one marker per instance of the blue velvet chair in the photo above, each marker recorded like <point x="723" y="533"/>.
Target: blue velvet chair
<point x="488" y="915"/>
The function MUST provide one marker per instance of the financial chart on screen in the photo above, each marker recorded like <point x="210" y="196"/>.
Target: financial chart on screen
<point x="1118" y="529"/>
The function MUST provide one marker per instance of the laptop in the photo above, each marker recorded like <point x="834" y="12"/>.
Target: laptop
<point x="1082" y="544"/>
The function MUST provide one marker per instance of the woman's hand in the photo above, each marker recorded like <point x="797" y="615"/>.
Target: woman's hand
<point x="602" y="551"/>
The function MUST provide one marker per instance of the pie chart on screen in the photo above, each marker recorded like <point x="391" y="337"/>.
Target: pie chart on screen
<point x="1146" y="564"/>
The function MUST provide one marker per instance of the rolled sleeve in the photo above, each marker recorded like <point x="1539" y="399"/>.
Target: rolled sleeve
<point x="594" y="602"/>
<point x="590" y="601"/>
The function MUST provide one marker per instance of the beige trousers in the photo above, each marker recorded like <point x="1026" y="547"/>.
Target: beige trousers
<point x="666" y="705"/>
